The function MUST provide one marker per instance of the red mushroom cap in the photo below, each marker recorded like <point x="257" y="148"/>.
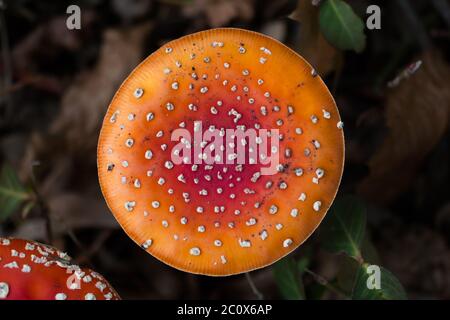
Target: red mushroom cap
<point x="32" y="271"/>
<point x="221" y="218"/>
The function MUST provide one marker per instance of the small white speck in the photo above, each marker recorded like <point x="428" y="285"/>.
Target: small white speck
<point x="251" y="222"/>
<point x="265" y="50"/>
<point x="320" y="173"/>
<point x="138" y="93"/>
<point x="147" y="244"/>
<point x="302" y="196"/>
<point x="287" y="243"/>
<point x="168" y="164"/>
<point x="170" y="106"/>
<point x="317" y="205"/>
<point x="155" y="204"/>
<point x="316" y="144"/>
<point x="245" y="243"/>
<point x="114" y="117"/>
<point x="129" y="142"/>
<point x="150" y="116"/>
<point x="223" y="259"/>
<point x="129" y="205"/>
<point x="199" y="209"/>
<point x="148" y="154"/>
<point x="263" y="234"/>
<point x="90" y="296"/>
<point x="60" y="296"/>
<point x="4" y="290"/>
<point x="326" y="114"/>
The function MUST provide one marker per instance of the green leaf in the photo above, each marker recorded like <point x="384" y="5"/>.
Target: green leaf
<point x="12" y="192"/>
<point x="390" y="287"/>
<point x="345" y="278"/>
<point x="27" y="208"/>
<point x="302" y="264"/>
<point x="344" y="227"/>
<point x="368" y="250"/>
<point x="341" y="26"/>
<point x="287" y="275"/>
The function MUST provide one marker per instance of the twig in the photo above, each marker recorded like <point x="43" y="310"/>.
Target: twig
<point x="390" y="66"/>
<point x="337" y="73"/>
<point x="44" y="210"/>
<point x="323" y="281"/>
<point x="85" y="259"/>
<point x="255" y="290"/>
<point x="95" y="247"/>
<point x="415" y="25"/>
<point x="6" y="57"/>
<point x="443" y="9"/>
<point x="405" y="74"/>
<point x="75" y="240"/>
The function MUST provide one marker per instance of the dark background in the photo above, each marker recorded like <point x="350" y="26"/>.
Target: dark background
<point x="56" y="84"/>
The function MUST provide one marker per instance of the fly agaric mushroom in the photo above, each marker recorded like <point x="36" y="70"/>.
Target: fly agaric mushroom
<point x="32" y="271"/>
<point x="221" y="217"/>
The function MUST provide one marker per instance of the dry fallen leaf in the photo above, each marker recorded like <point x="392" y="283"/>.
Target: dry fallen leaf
<point x="46" y="41"/>
<point x="69" y="212"/>
<point x="86" y="100"/>
<point x="312" y="44"/>
<point x="220" y="12"/>
<point x="77" y="211"/>
<point x="417" y="116"/>
<point x="67" y="152"/>
<point x="423" y="267"/>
